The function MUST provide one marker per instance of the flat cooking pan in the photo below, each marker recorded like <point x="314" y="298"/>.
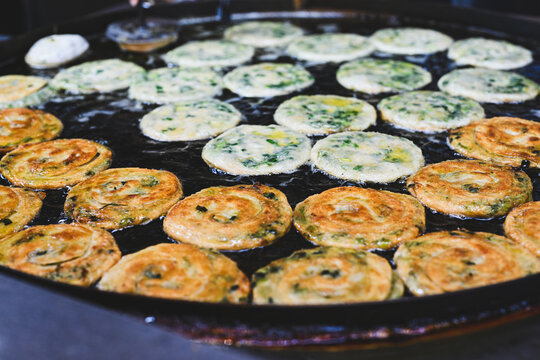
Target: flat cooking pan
<point x="112" y="119"/>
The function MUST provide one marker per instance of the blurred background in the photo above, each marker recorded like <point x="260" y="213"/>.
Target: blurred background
<point x="19" y="16"/>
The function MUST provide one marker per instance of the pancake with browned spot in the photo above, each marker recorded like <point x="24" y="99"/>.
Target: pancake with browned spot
<point x="25" y="126"/>
<point x="523" y="225"/>
<point x="17" y="208"/>
<point x="455" y="260"/>
<point x="502" y="140"/>
<point x="55" y="164"/>
<point x="117" y="198"/>
<point x="230" y="218"/>
<point x="74" y="254"/>
<point x="358" y="218"/>
<point x="469" y="188"/>
<point x="178" y="271"/>
<point x="326" y="275"/>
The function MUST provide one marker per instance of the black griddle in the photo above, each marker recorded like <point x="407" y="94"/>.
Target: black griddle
<point x="112" y="119"/>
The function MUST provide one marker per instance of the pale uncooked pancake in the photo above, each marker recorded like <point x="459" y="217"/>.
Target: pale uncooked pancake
<point x="359" y="218"/>
<point x="267" y="79"/>
<point x="456" y="260"/>
<point x="330" y="47"/>
<point x="327" y="275"/>
<point x="122" y="197"/>
<point x="71" y="253"/>
<point x="230" y="218"/>
<point x="374" y="76"/>
<point x="168" y="85"/>
<point x="325" y="114"/>
<point x="257" y="150"/>
<point x="502" y="140"/>
<point x="367" y="156"/>
<point x="410" y="41"/>
<point x="488" y="53"/>
<point x="470" y="188"/>
<point x="55" y="50"/>
<point x="486" y="85"/>
<point x="98" y="76"/>
<point x="189" y="120"/>
<point x="210" y="53"/>
<point x="263" y="33"/>
<point x="25" y="126"/>
<point x="178" y="271"/>
<point x="429" y="111"/>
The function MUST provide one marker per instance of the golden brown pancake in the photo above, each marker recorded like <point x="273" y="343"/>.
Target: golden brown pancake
<point x="17" y="87"/>
<point x="502" y="140"/>
<point x="358" y="218"/>
<point x="17" y="208"/>
<point x="523" y="226"/>
<point x="455" y="260"/>
<point x="117" y="198"/>
<point x="178" y="271"/>
<point x="74" y="254"/>
<point x="230" y="218"/>
<point x="470" y="188"/>
<point x="55" y="164"/>
<point x="325" y="275"/>
<point x="24" y="126"/>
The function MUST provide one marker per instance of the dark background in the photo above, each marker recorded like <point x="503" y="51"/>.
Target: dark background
<point x="19" y="16"/>
<point x="40" y="324"/>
